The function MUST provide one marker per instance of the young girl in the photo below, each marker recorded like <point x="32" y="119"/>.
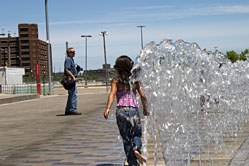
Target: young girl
<point x="127" y="114"/>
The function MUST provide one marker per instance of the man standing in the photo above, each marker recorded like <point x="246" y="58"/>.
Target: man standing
<point x="70" y="70"/>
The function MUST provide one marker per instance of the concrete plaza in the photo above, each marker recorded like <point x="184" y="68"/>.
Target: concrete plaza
<point x="36" y="133"/>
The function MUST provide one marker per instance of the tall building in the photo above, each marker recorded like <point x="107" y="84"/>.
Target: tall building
<point x="26" y="50"/>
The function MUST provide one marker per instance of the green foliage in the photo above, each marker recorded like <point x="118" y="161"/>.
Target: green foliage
<point x="243" y="55"/>
<point x="233" y="56"/>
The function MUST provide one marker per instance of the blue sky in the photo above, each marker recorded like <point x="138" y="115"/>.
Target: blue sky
<point x="210" y="23"/>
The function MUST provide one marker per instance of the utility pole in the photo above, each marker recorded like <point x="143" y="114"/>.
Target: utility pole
<point x="66" y="45"/>
<point x="215" y="48"/>
<point x="106" y="69"/>
<point x="66" y="49"/>
<point x="141" y="27"/>
<point x="86" y="36"/>
<point x="4" y="60"/>
<point x="2" y="50"/>
<point x="49" y="56"/>
<point x="9" y="56"/>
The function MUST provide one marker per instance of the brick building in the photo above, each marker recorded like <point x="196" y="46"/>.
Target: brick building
<point x="26" y="50"/>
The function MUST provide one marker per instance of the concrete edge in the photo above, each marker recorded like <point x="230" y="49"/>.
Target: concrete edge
<point x="18" y="98"/>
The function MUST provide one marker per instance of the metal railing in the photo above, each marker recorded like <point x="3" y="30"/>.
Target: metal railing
<point x="25" y="89"/>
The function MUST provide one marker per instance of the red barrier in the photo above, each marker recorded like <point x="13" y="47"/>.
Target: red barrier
<point x="38" y="78"/>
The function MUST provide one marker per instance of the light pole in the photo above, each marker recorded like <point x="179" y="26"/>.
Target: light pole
<point x="86" y="36"/>
<point x="141" y="27"/>
<point x="4" y="58"/>
<point x="106" y="69"/>
<point x="9" y="56"/>
<point x="49" y="63"/>
<point x="2" y="34"/>
<point x="66" y="46"/>
<point x="215" y="48"/>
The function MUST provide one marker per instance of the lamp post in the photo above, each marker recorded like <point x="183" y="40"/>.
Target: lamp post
<point x="106" y="69"/>
<point x="3" y="34"/>
<point x="9" y="56"/>
<point x="215" y="48"/>
<point x="4" y="57"/>
<point x="86" y="36"/>
<point x="141" y="27"/>
<point x="49" y="63"/>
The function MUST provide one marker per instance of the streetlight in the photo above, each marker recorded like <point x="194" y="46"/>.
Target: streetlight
<point x="4" y="57"/>
<point x="9" y="56"/>
<point x="49" y="63"/>
<point x="106" y="70"/>
<point x="141" y="27"/>
<point x="215" y="49"/>
<point x="86" y="36"/>
<point x="3" y="34"/>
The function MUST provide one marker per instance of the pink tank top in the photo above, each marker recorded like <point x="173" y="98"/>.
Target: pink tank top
<point x="126" y="99"/>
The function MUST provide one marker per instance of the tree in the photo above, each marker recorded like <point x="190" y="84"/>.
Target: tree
<point x="233" y="56"/>
<point x="243" y="55"/>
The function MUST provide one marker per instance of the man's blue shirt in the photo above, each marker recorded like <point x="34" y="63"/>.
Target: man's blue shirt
<point x="69" y="64"/>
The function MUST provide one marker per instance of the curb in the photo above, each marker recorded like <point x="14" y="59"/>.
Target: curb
<point x="18" y="98"/>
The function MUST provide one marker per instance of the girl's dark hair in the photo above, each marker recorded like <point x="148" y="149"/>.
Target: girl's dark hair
<point x="124" y="65"/>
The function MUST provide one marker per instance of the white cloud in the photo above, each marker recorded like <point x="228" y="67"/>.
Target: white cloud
<point x="137" y="14"/>
<point x="189" y="12"/>
<point x="124" y="37"/>
<point x="233" y="9"/>
<point x="148" y="7"/>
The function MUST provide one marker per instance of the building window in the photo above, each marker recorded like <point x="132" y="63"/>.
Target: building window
<point x="24" y="47"/>
<point x="27" y="70"/>
<point x="24" y="29"/>
<point x="25" y="64"/>
<point x="25" y="58"/>
<point x="25" y="53"/>
<point x="24" y="41"/>
<point x="14" y="53"/>
<point x="13" y="41"/>
<point x="24" y="35"/>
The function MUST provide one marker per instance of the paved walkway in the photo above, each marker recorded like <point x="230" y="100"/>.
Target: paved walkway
<point x="35" y="133"/>
<point x="11" y="98"/>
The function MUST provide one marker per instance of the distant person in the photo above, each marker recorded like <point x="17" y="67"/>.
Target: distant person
<point x="127" y="114"/>
<point x="71" y="71"/>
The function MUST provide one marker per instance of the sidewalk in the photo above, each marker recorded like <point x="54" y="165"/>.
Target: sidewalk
<point x="10" y="98"/>
<point x="36" y="133"/>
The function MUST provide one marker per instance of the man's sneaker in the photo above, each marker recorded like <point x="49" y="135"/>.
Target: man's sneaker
<point x="76" y="113"/>
<point x="67" y="113"/>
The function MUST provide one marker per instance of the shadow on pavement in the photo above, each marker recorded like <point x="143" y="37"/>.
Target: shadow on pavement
<point x="61" y="115"/>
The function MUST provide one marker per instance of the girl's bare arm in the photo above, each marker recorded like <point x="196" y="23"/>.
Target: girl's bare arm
<point x="111" y="98"/>
<point x="143" y="99"/>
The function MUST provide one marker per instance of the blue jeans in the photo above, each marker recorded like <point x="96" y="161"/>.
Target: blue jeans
<point x="72" y="100"/>
<point x="129" y="124"/>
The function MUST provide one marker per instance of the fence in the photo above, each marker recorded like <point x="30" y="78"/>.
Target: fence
<point x="25" y="89"/>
